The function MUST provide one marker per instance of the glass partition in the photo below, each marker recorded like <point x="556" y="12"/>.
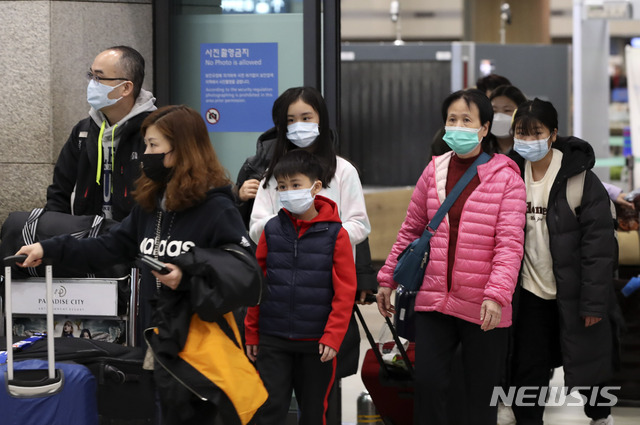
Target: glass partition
<point x="230" y="60"/>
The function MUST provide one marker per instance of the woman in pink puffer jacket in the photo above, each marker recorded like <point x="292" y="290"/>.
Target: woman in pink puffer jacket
<point x="465" y="297"/>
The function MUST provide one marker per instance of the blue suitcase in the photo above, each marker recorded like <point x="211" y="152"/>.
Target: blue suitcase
<point x="35" y="392"/>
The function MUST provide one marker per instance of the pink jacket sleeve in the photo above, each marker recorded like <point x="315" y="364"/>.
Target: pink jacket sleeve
<point x="411" y="229"/>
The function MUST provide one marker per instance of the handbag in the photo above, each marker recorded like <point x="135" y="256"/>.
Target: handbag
<point x="412" y="262"/>
<point x="212" y="366"/>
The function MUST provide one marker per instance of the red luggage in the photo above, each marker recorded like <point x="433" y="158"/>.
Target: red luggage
<point x="390" y="387"/>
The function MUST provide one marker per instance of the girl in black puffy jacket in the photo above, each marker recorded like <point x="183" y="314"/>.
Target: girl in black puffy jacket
<point x="563" y="314"/>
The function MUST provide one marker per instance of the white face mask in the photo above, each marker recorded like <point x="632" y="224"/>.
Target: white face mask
<point x="97" y="94"/>
<point x="501" y="125"/>
<point x="531" y="150"/>
<point x="303" y="134"/>
<point x="296" y="201"/>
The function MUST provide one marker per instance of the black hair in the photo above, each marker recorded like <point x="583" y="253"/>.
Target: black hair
<point x="132" y="64"/>
<point x="322" y="148"/>
<point x="85" y="331"/>
<point x="532" y="113"/>
<point x="470" y="96"/>
<point x="511" y="92"/>
<point x="298" y="161"/>
<point x="64" y="333"/>
<point x="490" y="82"/>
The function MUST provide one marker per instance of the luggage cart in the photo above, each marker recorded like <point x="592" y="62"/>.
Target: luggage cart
<point x="36" y="392"/>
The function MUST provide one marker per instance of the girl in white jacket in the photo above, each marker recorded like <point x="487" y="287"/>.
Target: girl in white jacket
<point x="302" y="121"/>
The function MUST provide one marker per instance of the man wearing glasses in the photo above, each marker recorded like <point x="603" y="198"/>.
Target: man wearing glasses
<point x="99" y="163"/>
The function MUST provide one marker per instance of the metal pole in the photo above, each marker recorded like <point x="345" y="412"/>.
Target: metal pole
<point x="576" y="43"/>
<point x="505" y="19"/>
<point x="312" y="44"/>
<point x="331" y="65"/>
<point x="9" y="319"/>
<point x="162" y="52"/>
<point x="51" y="357"/>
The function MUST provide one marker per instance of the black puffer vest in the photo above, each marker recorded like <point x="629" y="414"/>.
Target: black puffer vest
<point x="299" y="277"/>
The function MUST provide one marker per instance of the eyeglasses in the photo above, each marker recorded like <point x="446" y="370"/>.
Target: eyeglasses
<point x="97" y="79"/>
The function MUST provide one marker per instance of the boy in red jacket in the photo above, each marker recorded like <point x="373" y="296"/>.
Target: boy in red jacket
<point x="295" y="334"/>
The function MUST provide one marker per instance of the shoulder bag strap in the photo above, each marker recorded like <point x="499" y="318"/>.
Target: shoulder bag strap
<point x="227" y="330"/>
<point x="456" y="191"/>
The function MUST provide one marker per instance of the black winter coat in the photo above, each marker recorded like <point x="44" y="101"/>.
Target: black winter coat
<point x="194" y="239"/>
<point x="213" y="223"/>
<point x="77" y="166"/>
<point x="254" y="168"/>
<point x="582" y="249"/>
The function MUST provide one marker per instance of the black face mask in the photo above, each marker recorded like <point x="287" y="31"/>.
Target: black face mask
<point x="153" y="167"/>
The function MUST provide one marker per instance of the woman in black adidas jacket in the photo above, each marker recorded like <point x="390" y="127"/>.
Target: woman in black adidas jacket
<point x="187" y="219"/>
<point x="562" y="315"/>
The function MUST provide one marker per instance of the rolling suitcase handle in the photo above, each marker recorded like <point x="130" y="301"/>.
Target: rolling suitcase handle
<point x="30" y="382"/>
<point x="374" y="345"/>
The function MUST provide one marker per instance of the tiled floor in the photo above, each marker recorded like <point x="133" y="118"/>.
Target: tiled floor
<point x="352" y="387"/>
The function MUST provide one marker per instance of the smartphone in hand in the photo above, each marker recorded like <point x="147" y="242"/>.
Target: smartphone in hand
<point x="154" y="264"/>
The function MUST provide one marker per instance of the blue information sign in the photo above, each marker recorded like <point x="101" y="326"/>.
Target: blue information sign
<point x="239" y="82"/>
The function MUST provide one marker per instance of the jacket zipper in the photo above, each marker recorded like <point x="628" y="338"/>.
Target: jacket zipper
<point x="184" y="384"/>
<point x="293" y="282"/>
<point x="246" y="255"/>
<point x="295" y="256"/>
